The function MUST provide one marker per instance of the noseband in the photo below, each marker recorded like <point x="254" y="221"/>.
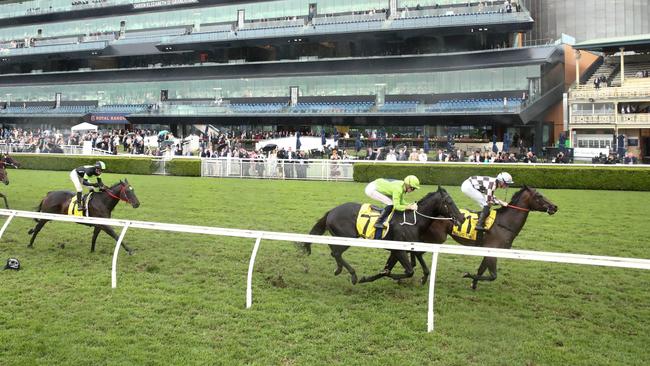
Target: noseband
<point x="122" y="193"/>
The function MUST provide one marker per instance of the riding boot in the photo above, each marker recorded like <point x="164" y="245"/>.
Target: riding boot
<point x="480" y="226"/>
<point x="384" y="214"/>
<point x="80" y="202"/>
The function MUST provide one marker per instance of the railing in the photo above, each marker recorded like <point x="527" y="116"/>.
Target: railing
<point x="313" y="169"/>
<point x="609" y="93"/>
<point x="611" y="118"/>
<point x="86" y="46"/>
<point x="435" y="249"/>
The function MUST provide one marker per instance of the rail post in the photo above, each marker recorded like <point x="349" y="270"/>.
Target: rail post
<point x="4" y="227"/>
<point x="115" y="254"/>
<point x="432" y="285"/>
<point x="249" y="279"/>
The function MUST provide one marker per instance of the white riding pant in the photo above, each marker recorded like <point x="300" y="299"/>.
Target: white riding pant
<point x="473" y="193"/>
<point x="74" y="177"/>
<point x="371" y="191"/>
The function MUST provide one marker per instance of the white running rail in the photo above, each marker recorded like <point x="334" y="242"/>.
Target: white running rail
<point x="378" y="244"/>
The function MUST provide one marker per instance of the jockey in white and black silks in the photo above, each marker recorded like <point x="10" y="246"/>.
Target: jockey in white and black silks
<point x="481" y="189"/>
<point x="81" y="175"/>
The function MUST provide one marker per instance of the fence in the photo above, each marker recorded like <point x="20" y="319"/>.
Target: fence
<point x="312" y="169"/>
<point x="436" y="249"/>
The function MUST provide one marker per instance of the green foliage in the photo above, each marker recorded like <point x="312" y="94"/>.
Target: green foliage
<point x="181" y="298"/>
<point x="114" y="164"/>
<point x="184" y="167"/>
<point x="560" y="176"/>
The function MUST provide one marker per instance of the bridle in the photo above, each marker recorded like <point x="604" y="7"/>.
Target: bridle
<point x="122" y="193"/>
<point x="443" y="202"/>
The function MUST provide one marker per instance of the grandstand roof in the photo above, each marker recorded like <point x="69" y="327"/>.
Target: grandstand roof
<point x="640" y="42"/>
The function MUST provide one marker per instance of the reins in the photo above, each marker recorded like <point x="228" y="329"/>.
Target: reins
<point x="108" y="191"/>
<point x="518" y="208"/>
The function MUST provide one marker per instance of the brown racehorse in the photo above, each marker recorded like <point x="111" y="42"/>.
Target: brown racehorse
<point x="5" y="161"/>
<point x="101" y="205"/>
<point x="507" y="225"/>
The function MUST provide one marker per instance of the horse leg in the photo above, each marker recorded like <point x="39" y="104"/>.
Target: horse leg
<point x="109" y="230"/>
<point x="34" y="231"/>
<point x="403" y="259"/>
<point x="489" y="263"/>
<point x="340" y="262"/>
<point x="96" y="232"/>
<point x="390" y="263"/>
<point x="5" y="198"/>
<point x="425" y="269"/>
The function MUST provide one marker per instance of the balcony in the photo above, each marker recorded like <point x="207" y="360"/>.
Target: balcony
<point x="641" y="120"/>
<point x="611" y="93"/>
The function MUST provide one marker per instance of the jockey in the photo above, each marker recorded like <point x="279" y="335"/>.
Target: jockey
<point x="391" y="192"/>
<point x="481" y="189"/>
<point x="82" y="174"/>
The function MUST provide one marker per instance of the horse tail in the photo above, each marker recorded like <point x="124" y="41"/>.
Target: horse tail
<point x="318" y="229"/>
<point x="38" y="209"/>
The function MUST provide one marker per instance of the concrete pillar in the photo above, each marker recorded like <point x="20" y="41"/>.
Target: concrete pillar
<point x="622" y="49"/>
<point x="577" y="53"/>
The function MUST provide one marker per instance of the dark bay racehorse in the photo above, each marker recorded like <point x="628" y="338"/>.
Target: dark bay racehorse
<point x="341" y="221"/>
<point x="507" y="225"/>
<point x="5" y="161"/>
<point x="101" y="205"/>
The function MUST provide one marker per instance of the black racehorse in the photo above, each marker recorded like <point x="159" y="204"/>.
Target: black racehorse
<point x="341" y="221"/>
<point x="101" y="204"/>
<point x="507" y="225"/>
<point x="6" y="161"/>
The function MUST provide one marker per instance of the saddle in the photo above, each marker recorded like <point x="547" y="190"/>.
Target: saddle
<point x="468" y="229"/>
<point x="366" y="219"/>
<point x="73" y="210"/>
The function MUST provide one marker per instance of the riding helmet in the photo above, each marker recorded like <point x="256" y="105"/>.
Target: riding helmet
<point x="12" y="263"/>
<point x="100" y="165"/>
<point x="505" y="178"/>
<point x="412" y="181"/>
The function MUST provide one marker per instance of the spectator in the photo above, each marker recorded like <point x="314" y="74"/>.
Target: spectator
<point x="422" y="156"/>
<point x="414" y="155"/>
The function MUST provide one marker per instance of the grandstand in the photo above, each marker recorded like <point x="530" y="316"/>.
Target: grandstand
<point x="613" y="115"/>
<point x="429" y="67"/>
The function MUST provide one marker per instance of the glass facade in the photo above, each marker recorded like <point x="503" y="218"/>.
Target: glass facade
<point x="461" y="81"/>
<point x="206" y="15"/>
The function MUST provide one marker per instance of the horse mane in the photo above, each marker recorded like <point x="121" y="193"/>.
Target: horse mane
<point x="515" y="197"/>
<point x="117" y="184"/>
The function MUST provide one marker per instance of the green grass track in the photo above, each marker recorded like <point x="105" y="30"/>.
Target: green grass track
<point x="180" y="299"/>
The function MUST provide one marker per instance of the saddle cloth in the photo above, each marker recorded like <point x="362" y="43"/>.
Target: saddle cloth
<point x="73" y="209"/>
<point x="468" y="229"/>
<point x="366" y="219"/>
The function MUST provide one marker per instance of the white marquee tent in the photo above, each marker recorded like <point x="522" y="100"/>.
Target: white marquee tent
<point x="85" y="126"/>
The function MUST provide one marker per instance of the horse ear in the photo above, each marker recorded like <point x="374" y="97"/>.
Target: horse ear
<point x="439" y="188"/>
<point x="525" y="187"/>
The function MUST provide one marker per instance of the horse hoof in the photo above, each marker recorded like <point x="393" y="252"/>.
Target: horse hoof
<point x="473" y="286"/>
<point x="30" y="232"/>
<point x="131" y="252"/>
<point x="467" y="275"/>
<point x="423" y="281"/>
<point x="337" y="272"/>
<point x="354" y="279"/>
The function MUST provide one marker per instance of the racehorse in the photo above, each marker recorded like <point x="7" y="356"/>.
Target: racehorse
<point x="341" y="221"/>
<point x="101" y="204"/>
<point x="507" y="225"/>
<point x="5" y="161"/>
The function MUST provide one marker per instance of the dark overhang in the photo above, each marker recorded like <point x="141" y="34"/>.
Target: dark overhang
<point x="637" y="43"/>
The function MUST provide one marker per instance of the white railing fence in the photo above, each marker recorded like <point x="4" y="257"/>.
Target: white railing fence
<point x="309" y="169"/>
<point x="436" y="249"/>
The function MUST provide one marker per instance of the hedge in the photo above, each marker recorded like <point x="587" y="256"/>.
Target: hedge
<point x="626" y="178"/>
<point x="184" y="167"/>
<point x="115" y="164"/>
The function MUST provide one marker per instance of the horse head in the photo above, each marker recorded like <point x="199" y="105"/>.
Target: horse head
<point x="124" y="192"/>
<point x="129" y="193"/>
<point x="8" y="160"/>
<point x="534" y="200"/>
<point x="440" y="203"/>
